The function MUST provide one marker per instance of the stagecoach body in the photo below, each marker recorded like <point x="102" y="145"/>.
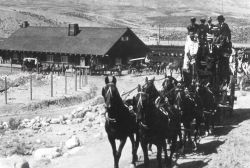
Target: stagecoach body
<point x="211" y="65"/>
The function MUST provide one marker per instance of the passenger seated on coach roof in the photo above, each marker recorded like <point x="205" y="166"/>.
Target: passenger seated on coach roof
<point x="193" y="27"/>
<point x="210" y="25"/>
<point x="203" y="30"/>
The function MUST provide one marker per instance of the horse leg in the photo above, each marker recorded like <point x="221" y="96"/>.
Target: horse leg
<point x="181" y="141"/>
<point x="150" y="148"/>
<point x="159" y="150"/>
<point x="119" y="152"/>
<point x="113" y="145"/>
<point x="165" y="152"/>
<point x="145" y="153"/>
<point x="172" y="149"/>
<point x="134" y="150"/>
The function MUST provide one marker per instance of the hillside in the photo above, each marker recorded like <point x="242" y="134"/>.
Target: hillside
<point x="143" y="16"/>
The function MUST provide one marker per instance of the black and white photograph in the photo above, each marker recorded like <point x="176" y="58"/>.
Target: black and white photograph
<point x="124" y="84"/>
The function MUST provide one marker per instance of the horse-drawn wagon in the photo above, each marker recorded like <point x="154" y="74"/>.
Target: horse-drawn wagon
<point x="137" y="66"/>
<point x="29" y="64"/>
<point x="208" y="64"/>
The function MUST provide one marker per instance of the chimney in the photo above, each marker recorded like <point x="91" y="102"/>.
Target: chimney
<point x="25" y="24"/>
<point x="73" y="29"/>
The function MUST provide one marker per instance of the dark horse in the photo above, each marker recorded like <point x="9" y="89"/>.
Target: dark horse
<point x="189" y="107"/>
<point x="153" y="125"/>
<point x="119" y="124"/>
<point x="158" y="105"/>
<point x="209" y="106"/>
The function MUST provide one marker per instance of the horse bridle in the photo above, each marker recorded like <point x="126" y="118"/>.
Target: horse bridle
<point x="109" y="91"/>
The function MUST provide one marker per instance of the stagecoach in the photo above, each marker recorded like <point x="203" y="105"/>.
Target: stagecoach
<point x="29" y="64"/>
<point x="211" y="66"/>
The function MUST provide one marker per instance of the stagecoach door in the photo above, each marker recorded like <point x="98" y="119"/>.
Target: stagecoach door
<point x="82" y="61"/>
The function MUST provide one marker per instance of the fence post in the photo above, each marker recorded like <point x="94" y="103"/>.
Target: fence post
<point x="5" y="90"/>
<point x="86" y="77"/>
<point x="30" y="87"/>
<point x="51" y="85"/>
<point x="83" y="71"/>
<point x="80" y="77"/>
<point x="11" y="65"/>
<point x="65" y="84"/>
<point x="76" y="80"/>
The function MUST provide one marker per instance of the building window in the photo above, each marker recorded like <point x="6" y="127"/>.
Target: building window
<point x="64" y="59"/>
<point x="49" y="58"/>
<point x="124" y="38"/>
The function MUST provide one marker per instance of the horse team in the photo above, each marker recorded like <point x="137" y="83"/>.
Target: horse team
<point x="170" y="115"/>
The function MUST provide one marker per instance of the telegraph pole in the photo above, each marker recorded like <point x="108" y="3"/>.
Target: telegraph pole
<point x="159" y="35"/>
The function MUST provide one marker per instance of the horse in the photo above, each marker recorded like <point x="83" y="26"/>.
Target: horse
<point x="153" y="126"/>
<point x="186" y="104"/>
<point x="158" y="103"/>
<point x="208" y="104"/>
<point x="45" y="69"/>
<point x="120" y="123"/>
<point x="175" y="65"/>
<point x="56" y="69"/>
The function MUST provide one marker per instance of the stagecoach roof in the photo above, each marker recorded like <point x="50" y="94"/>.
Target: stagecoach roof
<point x="89" y="40"/>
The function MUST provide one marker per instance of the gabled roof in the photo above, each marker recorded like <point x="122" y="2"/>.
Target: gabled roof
<point x="90" y="40"/>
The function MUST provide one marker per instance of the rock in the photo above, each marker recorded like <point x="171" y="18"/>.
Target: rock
<point x="1" y="127"/>
<point x="60" y="133"/>
<point x="72" y="151"/>
<point x="88" y="124"/>
<point x="5" y="125"/>
<point x="72" y="142"/>
<point x="80" y="114"/>
<point x="90" y="116"/>
<point x="55" y="121"/>
<point x="68" y="122"/>
<point x="68" y="116"/>
<point x="77" y="120"/>
<point x="47" y="153"/>
<point x="13" y="162"/>
<point x="62" y="118"/>
<point x="32" y="121"/>
<point x="38" y="141"/>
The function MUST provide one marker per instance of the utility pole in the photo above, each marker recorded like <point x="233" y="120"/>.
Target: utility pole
<point x="159" y="35"/>
<point x="222" y="7"/>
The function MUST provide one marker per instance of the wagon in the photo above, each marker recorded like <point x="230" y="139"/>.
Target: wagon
<point x="138" y="66"/>
<point x="29" y="64"/>
<point x="212" y="66"/>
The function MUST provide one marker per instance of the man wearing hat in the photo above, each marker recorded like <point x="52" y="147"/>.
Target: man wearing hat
<point x="225" y="32"/>
<point x="210" y="25"/>
<point x="193" y="27"/>
<point x="202" y="31"/>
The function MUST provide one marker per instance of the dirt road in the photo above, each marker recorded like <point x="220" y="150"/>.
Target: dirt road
<point x="226" y="148"/>
<point x="218" y="150"/>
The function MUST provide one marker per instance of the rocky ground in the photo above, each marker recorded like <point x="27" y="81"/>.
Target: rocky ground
<point x="73" y="136"/>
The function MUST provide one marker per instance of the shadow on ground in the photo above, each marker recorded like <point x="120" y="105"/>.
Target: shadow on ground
<point x="209" y="147"/>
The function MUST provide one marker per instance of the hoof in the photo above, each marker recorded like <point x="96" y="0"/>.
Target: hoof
<point x="132" y="165"/>
<point x="150" y="152"/>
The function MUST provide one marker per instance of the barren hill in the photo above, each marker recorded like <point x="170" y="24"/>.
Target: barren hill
<point x="143" y="16"/>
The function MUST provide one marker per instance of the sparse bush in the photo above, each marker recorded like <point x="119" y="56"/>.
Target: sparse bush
<point x="14" y="123"/>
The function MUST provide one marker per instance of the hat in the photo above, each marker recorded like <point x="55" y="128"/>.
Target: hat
<point x="193" y="19"/>
<point x="240" y="52"/>
<point x="209" y="18"/>
<point x="220" y="17"/>
<point x="151" y="78"/>
<point x="202" y="19"/>
<point x="191" y="33"/>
